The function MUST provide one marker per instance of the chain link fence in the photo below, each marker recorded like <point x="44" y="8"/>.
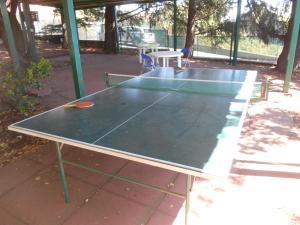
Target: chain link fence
<point x="251" y="47"/>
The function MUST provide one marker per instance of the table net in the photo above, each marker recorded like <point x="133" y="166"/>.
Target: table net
<point x="238" y="90"/>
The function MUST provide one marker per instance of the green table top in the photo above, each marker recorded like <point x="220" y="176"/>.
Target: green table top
<point x="188" y="119"/>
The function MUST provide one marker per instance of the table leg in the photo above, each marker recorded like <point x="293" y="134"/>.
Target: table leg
<point x="140" y="57"/>
<point x="187" y="197"/>
<point x="153" y="60"/>
<point x="179" y="61"/>
<point x="62" y="172"/>
<point x="164" y="62"/>
<point x="156" y="50"/>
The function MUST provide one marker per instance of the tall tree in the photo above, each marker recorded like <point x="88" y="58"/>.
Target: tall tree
<point x="282" y="59"/>
<point x="59" y="12"/>
<point x="190" y="27"/>
<point x="110" y="30"/>
<point x="264" y="21"/>
<point x="268" y="22"/>
<point x="203" y="17"/>
<point x="17" y="32"/>
<point x="133" y="17"/>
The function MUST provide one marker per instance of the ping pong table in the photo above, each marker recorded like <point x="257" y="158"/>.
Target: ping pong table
<point x="187" y="121"/>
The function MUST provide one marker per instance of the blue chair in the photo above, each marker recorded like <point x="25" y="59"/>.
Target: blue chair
<point x="147" y="63"/>
<point x="186" y="57"/>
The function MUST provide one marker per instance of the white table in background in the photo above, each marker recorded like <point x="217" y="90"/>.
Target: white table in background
<point x="142" y="47"/>
<point x="165" y="55"/>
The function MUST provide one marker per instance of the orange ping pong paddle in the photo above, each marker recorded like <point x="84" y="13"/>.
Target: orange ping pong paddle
<point x="79" y="105"/>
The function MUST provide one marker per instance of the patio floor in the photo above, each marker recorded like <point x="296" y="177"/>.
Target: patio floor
<point x="263" y="188"/>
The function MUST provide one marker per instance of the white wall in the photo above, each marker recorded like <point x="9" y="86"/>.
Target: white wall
<point x="46" y="16"/>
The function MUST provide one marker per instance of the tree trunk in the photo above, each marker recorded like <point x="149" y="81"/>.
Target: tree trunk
<point x="282" y="59"/>
<point x="18" y="35"/>
<point x="64" y="42"/>
<point x="110" y="45"/>
<point x="190" y="29"/>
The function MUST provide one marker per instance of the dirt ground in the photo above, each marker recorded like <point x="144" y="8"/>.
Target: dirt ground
<point x="13" y="145"/>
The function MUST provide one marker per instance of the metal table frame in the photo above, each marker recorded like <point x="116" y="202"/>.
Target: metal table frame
<point x="61" y="162"/>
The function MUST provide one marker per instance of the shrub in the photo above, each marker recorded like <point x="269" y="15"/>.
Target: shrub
<point x="36" y="72"/>
<point x="15" y="87"/>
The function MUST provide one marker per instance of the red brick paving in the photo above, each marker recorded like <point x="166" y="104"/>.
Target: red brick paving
<point x="40" y="199"/>
<point x="17" y="173"/>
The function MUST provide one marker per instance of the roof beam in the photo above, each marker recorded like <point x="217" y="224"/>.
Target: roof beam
<point x="79" y="4"/>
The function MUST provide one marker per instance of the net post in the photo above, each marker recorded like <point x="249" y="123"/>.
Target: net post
<point x="267" y="89"/>
<point x="187" y="198"/>
<point x="106" y="79"/>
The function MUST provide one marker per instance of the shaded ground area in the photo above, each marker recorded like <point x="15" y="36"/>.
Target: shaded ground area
<point x="263" y="189"/>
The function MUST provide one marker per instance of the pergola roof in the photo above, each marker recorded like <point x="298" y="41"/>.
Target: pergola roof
<point x="79" y="4"/>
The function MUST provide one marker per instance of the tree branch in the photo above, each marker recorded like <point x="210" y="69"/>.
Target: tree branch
<point x="214" y="11"/>
<point x="125" y="18"/>
<point x="219" y="28"/>
<point x="126" y="13"/>
<point x="252" y="11"/>
<point x="14" y="6"/>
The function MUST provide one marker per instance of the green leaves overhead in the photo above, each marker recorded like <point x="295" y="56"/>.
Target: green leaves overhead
<point x="265" y="21"/>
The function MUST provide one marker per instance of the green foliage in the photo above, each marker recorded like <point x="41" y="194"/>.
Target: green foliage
<point x="36" y="72"/>
<point x="15" y="88"/>
<point x="52" y="29"/>
<point x="257" y="46"/>
<point x="260" y="19"/>
<point x="15" y="94"/>
<point x="264" y="21"/>
<point x="3" y="146"/>
<point x="246" y="44"/>
<point x="93" y="14"/>
<point x="86" y="17"/>
<point x="163" y="17"/>
<point x="209" y="19"/>
<point x="136" y="17"/>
